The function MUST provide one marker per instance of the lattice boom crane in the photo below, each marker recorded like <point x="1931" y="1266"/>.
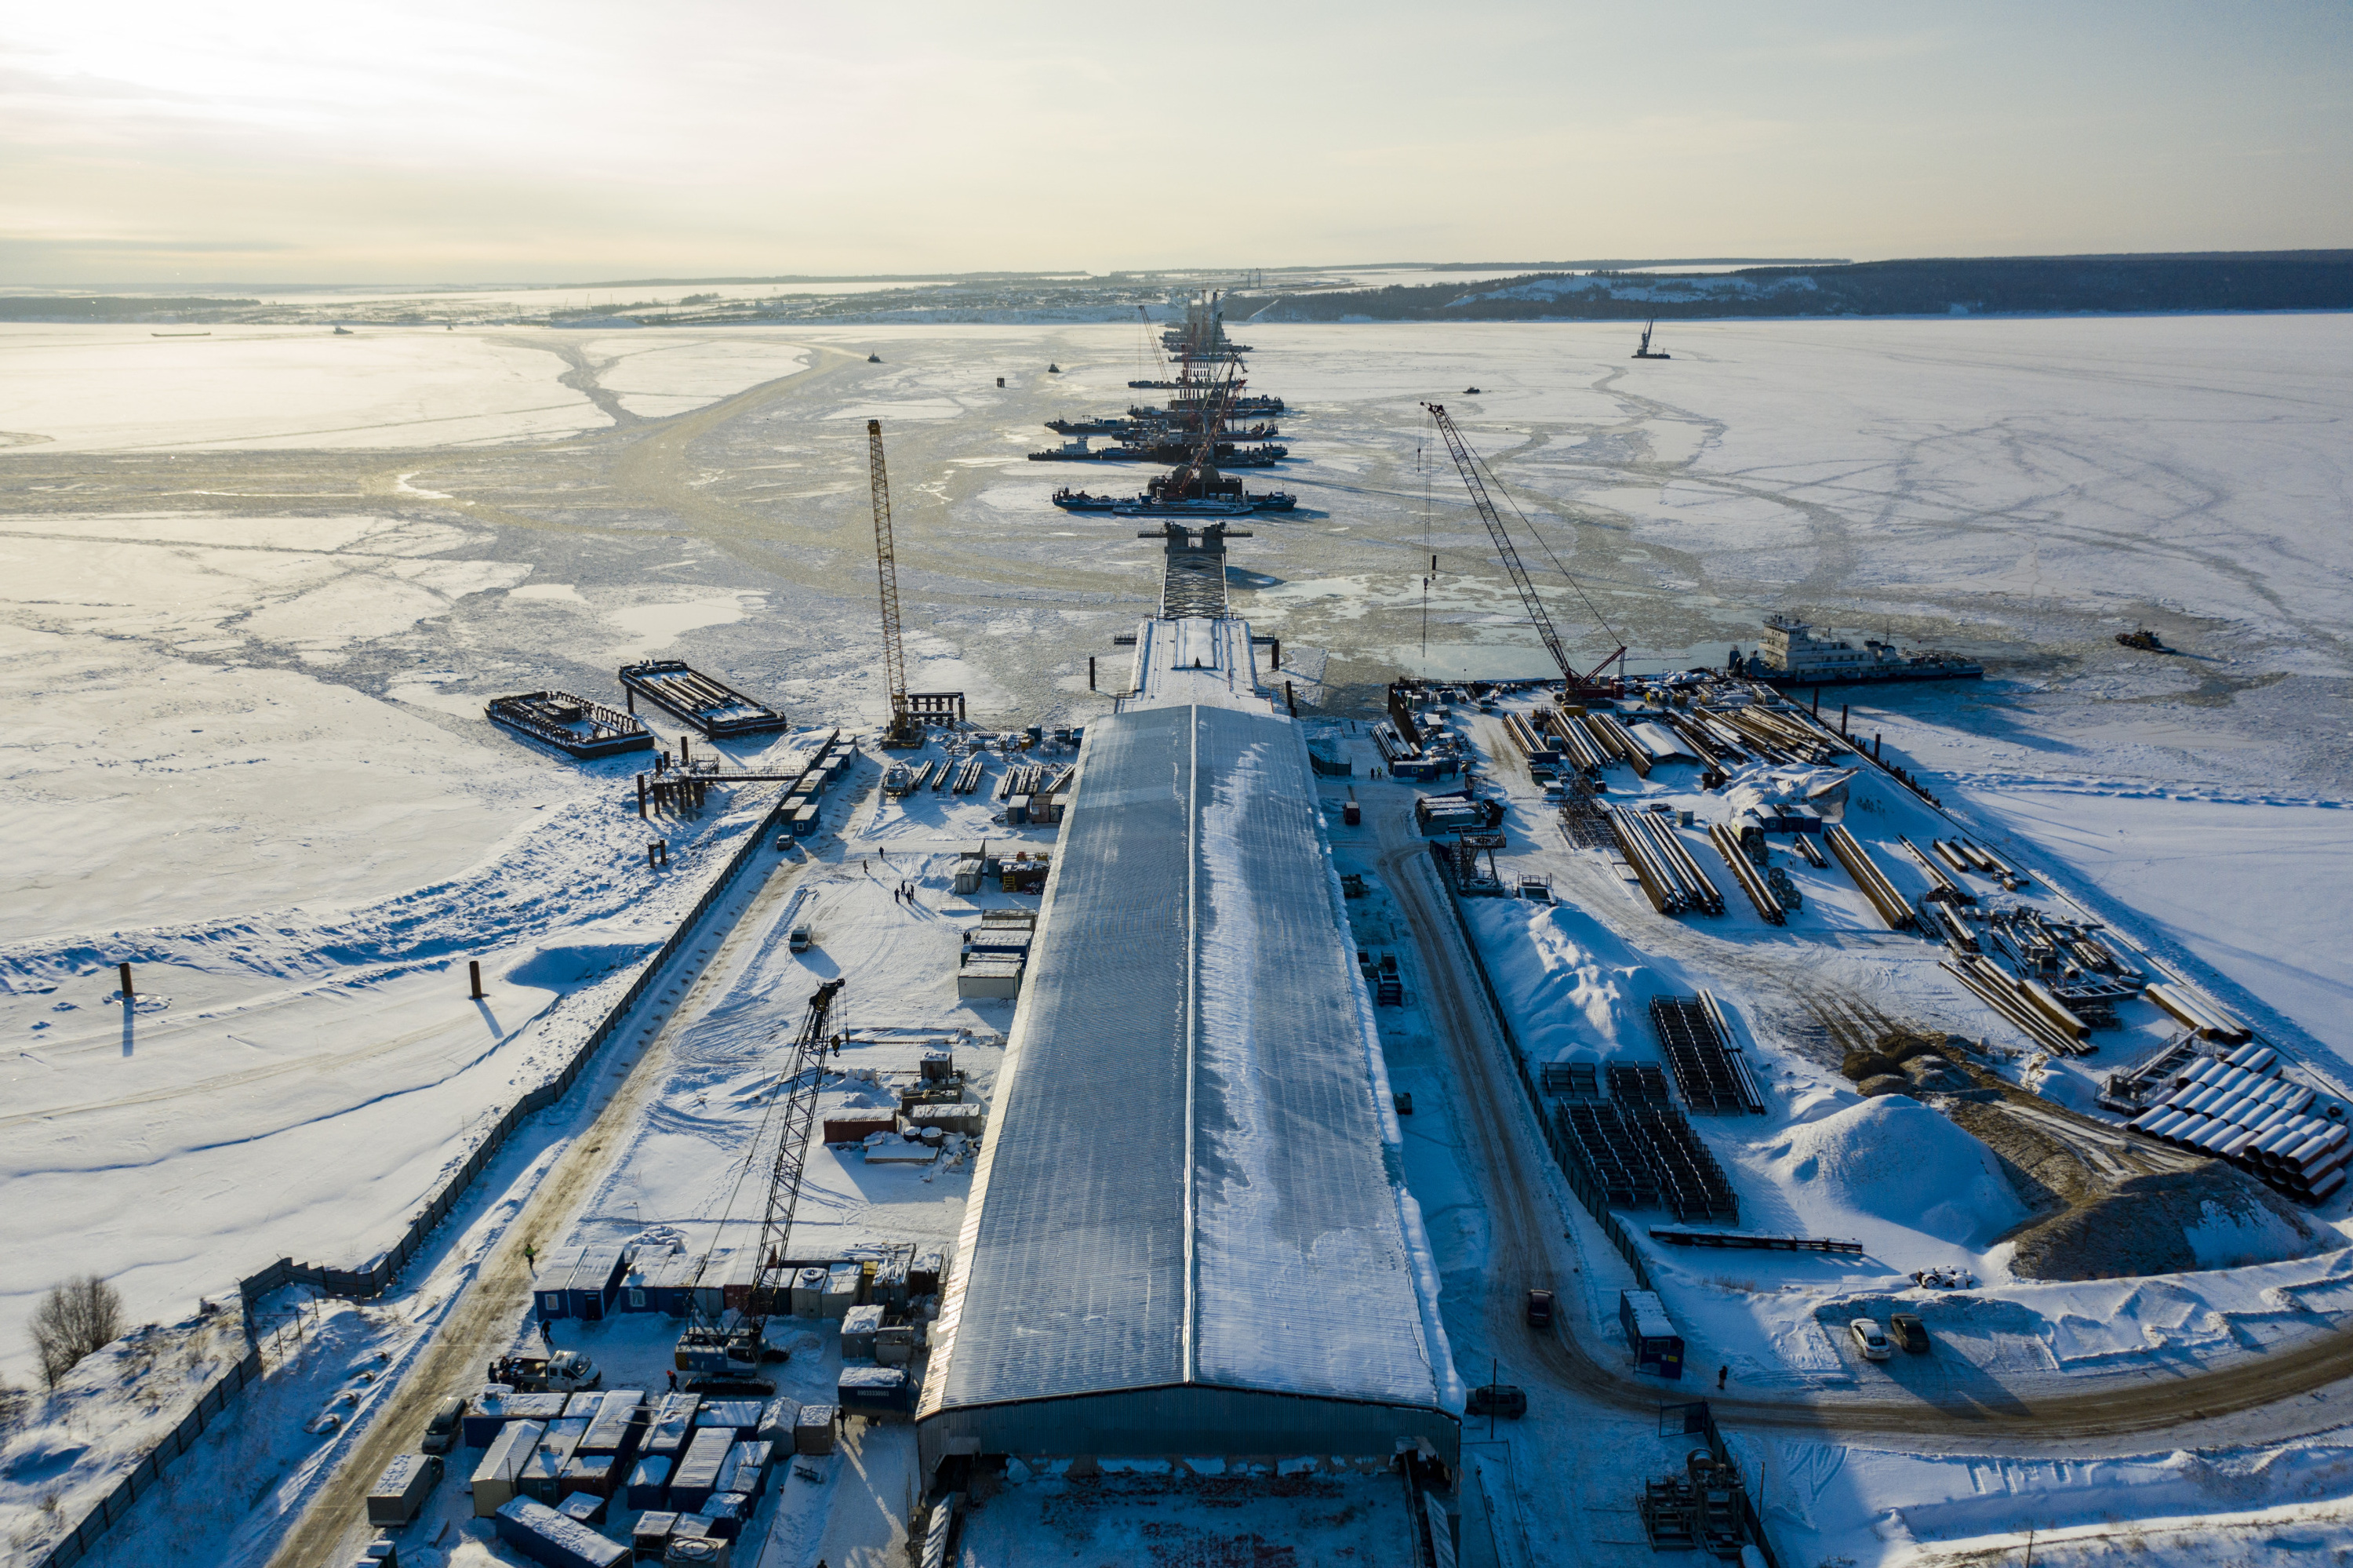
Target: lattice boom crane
<point x="904" y="730"/>
<point x="1465" y="460"/>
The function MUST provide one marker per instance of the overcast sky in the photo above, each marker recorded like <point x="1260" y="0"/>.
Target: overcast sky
<point x="528" y="140"/>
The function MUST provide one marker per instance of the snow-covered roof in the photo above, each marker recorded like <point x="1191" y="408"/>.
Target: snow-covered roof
<point x="1192" y="1175"/>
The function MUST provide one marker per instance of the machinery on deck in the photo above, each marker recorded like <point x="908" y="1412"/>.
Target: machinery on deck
<point x="1646" y="351"/>
<point x="729" y="1346"/>
<point x="1575" y="685"/>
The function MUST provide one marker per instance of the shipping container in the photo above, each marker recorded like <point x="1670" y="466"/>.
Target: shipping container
<point x="584" y="1508"/>
<point x="726" y="1514"/>
<point x="748" y="1466"/>
<point x="584" y="1406"/>
<point x="546" y="1536"/>
<point x="739" y="1417"/>
<point x="969" y="1118"/>
<point x="589" y="1293"/>
<point x="672" y="1424"/>
<point x="736" y="1281"/>
<point x="876" y="1391"/>
<point x="696" y="1476"/>
<point x="776" y="1418"/>
<point x="485" y="1415"/>
<point x="858" y="1328"/>
<point x="402" y="1487"/>
<point x="618" y="1425"/>
<point x="708" y="1294"/>
<point x="989" y="980"/>
<point x="841" y="1286"/>
<point x="805" y="822"/>
<point x="1650" y="1334"/>
<point x="549" y="1298"/>
<point x="648" y="1483"/>
<point x="588" y="1473"/>
<point x="672" y="1285"/>
<point x="813" y="1429"/>
<point x="542" y="1407"/>
<point x="809" y="1288"/>
<point x="895" y="1346"/>
<point x="651" y="1536"/>
<point x="857" y="1127"/>
<point x="495" y="1477"/>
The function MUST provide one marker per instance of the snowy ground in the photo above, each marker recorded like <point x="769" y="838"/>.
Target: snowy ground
<point x="253" y="603"/>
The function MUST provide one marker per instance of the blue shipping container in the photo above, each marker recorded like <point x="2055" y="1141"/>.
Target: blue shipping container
<point x="1657" y="1348"/>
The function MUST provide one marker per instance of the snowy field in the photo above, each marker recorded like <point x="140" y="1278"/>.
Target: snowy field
<point x="259" y="584"/>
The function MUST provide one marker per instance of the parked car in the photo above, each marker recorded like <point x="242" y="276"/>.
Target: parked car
<point x="798" y="941"/>
<point x="1539" y="1308"/>
<point x="441" y="1432"/>
<point x="1498" y="1399"/>
<point x="1908" y="1331"/>
<point x="1871" y="1340"/>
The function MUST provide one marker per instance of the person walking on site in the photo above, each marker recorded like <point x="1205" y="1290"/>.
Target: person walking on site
<point x="1721" y="1375"/>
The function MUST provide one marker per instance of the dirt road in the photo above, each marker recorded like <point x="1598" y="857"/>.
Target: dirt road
<point x="1529" y="1250"/>
<point x="482" y="1324"/>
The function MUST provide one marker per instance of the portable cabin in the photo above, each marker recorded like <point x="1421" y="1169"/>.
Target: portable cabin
<point x="1650" y="1334"/>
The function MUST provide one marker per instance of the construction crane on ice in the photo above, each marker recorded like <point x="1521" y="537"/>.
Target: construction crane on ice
<point x="726" y="1348"/>
<point x="906" y="728"/>
<point x="1590" y="683"/>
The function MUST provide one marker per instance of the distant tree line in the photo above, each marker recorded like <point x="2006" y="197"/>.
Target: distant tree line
<point x="104" y="307"/>
<point x="2250" y="281"/>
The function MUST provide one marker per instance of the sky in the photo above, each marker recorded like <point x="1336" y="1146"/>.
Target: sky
<point x="528" y="141"/>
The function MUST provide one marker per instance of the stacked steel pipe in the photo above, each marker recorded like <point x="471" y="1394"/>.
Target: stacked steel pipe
<point x="2236" y="1107"/>
<point x="1611" y="736"/>
<point x="1870" y="878"/>
<point x="2045" y="1019"/>
<point x="1743" y="871"/>
<point x="1576" y="743"/>
<point x="1672" y="879"/>
<point x="2199" y="1016"/>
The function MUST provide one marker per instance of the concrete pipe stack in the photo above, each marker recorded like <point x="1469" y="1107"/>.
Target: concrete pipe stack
<point x="2237" y="1109"/>
<point x="1672" y="879"/>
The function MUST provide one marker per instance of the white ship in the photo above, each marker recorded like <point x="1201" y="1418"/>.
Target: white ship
<point x="1790" y="654"/>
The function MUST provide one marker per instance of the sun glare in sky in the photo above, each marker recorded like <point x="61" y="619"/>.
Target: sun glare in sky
<point x="529" y="141"/>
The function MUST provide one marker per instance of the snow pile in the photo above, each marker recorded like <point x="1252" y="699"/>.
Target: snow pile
<point x="1893" y="1160"/>
<point x="1570" y="984"/>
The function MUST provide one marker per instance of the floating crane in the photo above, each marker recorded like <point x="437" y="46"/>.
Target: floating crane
<point x="1590" y="683"/>
<point x="905" y="729"/>
<point x="725" y="1349"/>
<point x="1646" y="351"/>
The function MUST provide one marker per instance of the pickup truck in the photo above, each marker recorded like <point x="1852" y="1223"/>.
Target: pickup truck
<point x="565" y="1372"/>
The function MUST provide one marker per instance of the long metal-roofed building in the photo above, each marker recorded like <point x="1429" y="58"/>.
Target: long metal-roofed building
<point x="1190" y="1233"/>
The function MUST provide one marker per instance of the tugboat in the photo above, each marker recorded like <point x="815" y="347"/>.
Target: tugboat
<point x="1646" y="351"/>
<point x="2144" y="639"/>
<point x="873" y="359"/>
<point x="1273" y="501"/>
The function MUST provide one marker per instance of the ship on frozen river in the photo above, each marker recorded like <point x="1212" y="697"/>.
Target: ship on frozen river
<point x="1790" y="654"/>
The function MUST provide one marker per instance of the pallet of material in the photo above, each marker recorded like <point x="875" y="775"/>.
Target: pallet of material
<point x="1754" y="1240"/>
<point x="1870" y="878"/>
<point x="707" y="703"/>
<point x="571" y="724"/>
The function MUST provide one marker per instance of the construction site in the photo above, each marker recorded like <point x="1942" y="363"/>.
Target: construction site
<point x="1531" y="1118"/>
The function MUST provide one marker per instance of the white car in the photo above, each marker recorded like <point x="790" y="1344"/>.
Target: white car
<point x="799" y="939"/>
<point x="1871" y="1340"/>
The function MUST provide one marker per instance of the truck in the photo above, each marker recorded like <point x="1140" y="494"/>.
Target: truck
<point x="402" y="1487"/>
<point x="565" y="1372"/>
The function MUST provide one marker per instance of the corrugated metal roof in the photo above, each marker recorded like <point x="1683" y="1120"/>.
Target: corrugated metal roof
<point x="1190" y="1177"/>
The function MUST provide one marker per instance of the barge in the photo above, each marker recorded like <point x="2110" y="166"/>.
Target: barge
<point x="572" y="725"/>
<point x="707" y="703"/>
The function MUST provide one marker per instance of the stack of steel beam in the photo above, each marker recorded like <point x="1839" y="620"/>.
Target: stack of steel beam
<point x="1727" y="844"/>
<point x="1672" y="879"/>
<point x="1870" y="878"/>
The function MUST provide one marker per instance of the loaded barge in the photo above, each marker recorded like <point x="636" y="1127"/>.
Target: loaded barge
<point x="571" y="724"/>
<point x="707" y="703"/>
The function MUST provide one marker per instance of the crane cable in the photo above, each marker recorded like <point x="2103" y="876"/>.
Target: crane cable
<point x="1539" y="538"/>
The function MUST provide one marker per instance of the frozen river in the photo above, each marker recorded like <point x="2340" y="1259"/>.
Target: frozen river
<point x="259" y="584"/>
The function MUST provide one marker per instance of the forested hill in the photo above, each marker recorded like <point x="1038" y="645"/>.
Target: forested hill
<point x="2245" y="281"/>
